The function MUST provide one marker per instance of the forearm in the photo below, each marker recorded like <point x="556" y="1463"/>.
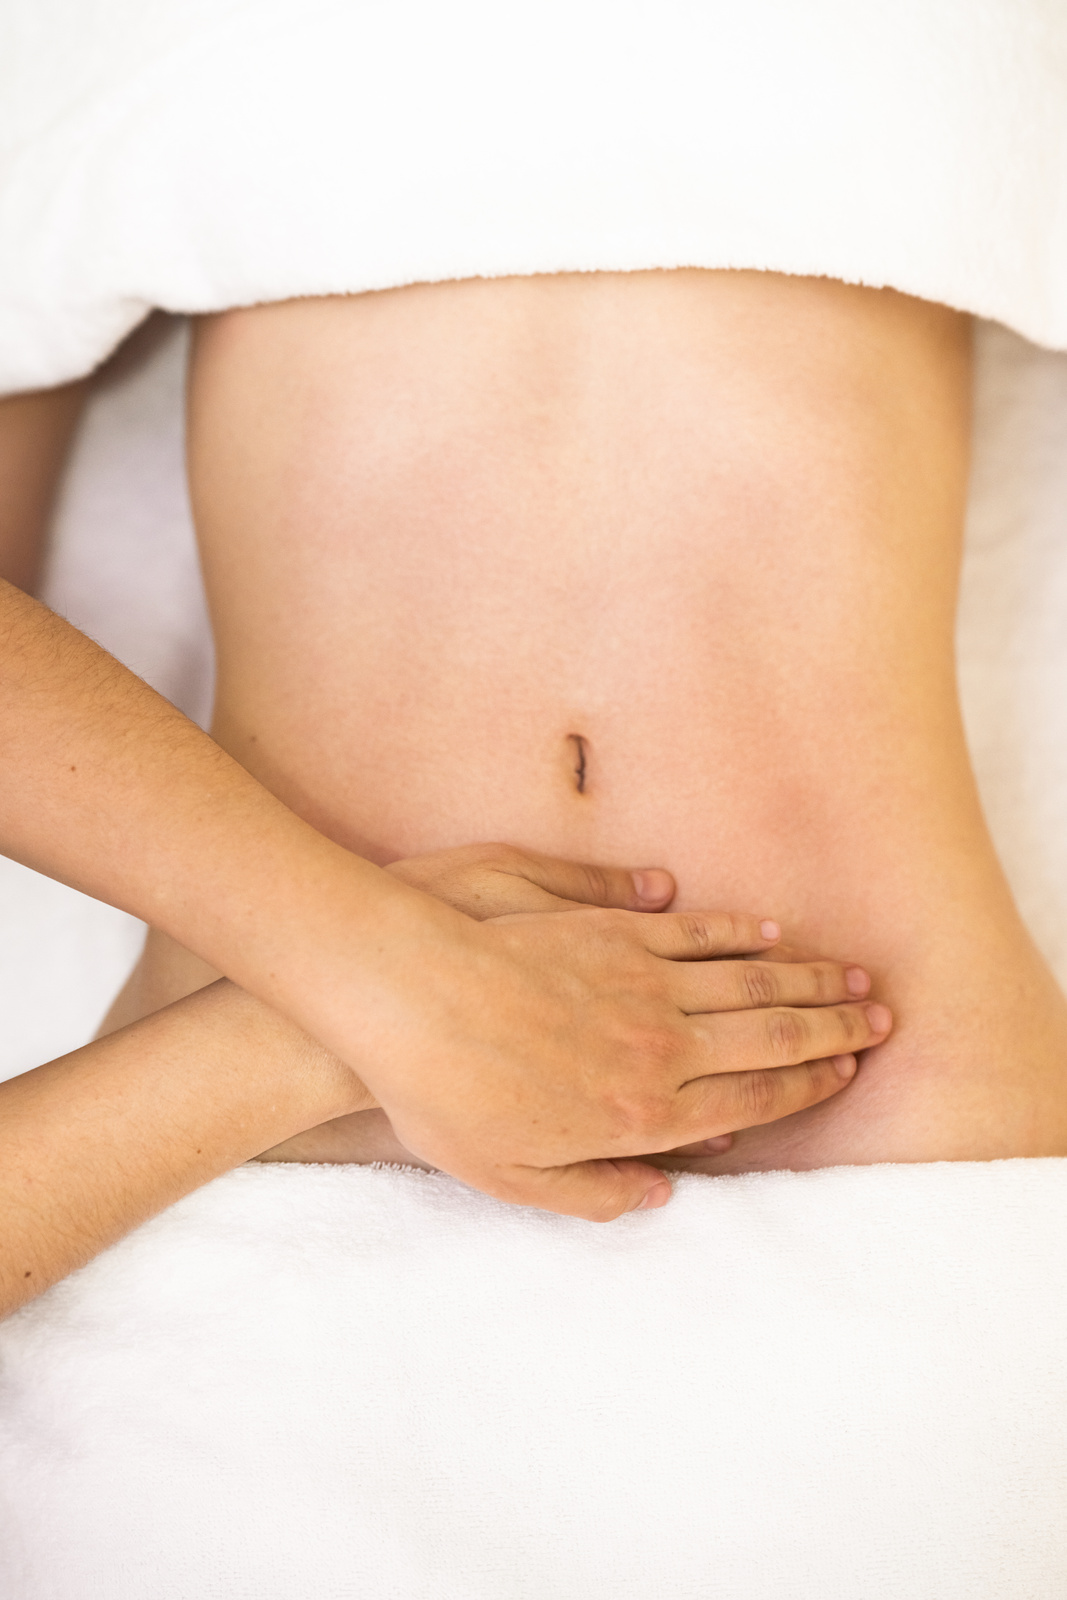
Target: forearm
<point x="113" y="791"/>
<point x="116" y="793"/>
<point x="93" y="1144"/>
<point x="516" y="1058"/>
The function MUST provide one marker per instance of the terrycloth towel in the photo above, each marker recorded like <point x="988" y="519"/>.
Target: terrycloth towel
<point x="196" y="154"/>
<point x="307" y="1384"/>
<point x="323" y="1384"/>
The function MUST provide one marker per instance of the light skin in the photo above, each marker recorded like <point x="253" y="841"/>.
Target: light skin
<point x="649" y="566"/>
<point x="98" y="1141"/>
<point x="122" y="796"/>
<point x="517" y="1042"/>
<point x="35" y="433"/>
<point x="680" y="553"/>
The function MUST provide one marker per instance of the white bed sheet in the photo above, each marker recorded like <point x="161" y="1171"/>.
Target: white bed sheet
<point x="346" y="1384"/>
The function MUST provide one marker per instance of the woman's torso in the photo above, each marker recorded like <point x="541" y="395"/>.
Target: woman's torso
<point x="610" y="567"/>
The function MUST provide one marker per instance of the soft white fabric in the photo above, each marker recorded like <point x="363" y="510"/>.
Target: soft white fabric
<point x="197" y="154"/>
<point x="324" y="1383"/>
<point x="307" y="1384"/>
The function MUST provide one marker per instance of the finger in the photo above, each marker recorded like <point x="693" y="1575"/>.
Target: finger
<point x="581" y="883"/>
<point x="482" y="881"/>
<point x="740" y="1041"/>
<point x="494" y="880"/>
<point x="702" y="935"/>
<point x="710" y="1107"/>
<point x="741" y="985"/>
<point x="599" y="1191"/>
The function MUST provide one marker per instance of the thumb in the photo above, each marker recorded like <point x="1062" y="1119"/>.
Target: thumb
<point x="582" y="883"/>
<point x="497" y="880"/>
<point x="599" y="1191"/>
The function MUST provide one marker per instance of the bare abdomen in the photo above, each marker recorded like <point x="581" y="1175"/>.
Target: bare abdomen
<point x="546" y="559"/>
<point x="656" y="569"/>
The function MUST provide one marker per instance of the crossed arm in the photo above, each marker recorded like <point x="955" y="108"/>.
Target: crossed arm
<point x="535" y="1056"/>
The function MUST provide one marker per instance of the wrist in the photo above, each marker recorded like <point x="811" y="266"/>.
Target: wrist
<point x="352" y="948"/>
<point x="301" y="1081"/>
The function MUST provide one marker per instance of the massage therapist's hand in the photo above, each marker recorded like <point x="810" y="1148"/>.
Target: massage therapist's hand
<point x="492" y="880"/>
<point x="603" y="1033"/>
<point x="498" y="880"/>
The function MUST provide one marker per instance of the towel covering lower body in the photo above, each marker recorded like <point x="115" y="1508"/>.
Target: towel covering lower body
<point x="325" y="1382"/>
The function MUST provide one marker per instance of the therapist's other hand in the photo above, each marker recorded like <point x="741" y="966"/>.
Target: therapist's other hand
<point x="677" y="1043"/>
<point x="497" y="880"/>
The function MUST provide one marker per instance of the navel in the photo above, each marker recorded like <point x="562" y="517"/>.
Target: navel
<point x="579" y="753"/>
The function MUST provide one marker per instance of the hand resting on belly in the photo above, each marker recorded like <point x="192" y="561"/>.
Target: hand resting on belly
<point x="774" y="1010"/>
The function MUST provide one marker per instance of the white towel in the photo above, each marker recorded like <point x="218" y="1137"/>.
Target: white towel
<point x="312" y="1383"/>
<point x="196" y="154"/>
<point x="323" y="1384"/>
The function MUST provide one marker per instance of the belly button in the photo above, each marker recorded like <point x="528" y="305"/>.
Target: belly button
<point x="579" y="747"/>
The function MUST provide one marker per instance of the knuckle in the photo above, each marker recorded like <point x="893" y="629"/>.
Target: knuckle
<point x="596" y="885"/>
<point x="786" y="1032"/>
<point x="697" y="933"/>
<point x="646" y="986"/>
<point x="614" y="926"/>
<point x="661" y="1047"/>
<point x="853" y="1022"/>
<point x="760" y="1095"/>
<point x="640" y="1110"/>
<point x="607" y="1204"/>
<point x="644" y="1113"/>
<point x="829" y="980"/>
<point x="822" y="1080"/>
<point x="816" y="1080"/>
<point x="759" y="983"/>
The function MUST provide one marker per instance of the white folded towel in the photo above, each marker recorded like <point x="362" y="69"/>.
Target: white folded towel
<point x="302" y="1384"/>
<point x="197" y="154"/>
<point x="316" y="1383"/>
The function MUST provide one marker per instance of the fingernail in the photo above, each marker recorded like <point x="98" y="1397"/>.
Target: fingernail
<point x="653" y="885"/>
<point x="657" y="1196"/>
<point x="715" y="1147"/>
<point x="856" y="980"/>
<point x="770" y="930"/>
<point x="844" y="1066"/>
<point x="880" y="1018"/>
